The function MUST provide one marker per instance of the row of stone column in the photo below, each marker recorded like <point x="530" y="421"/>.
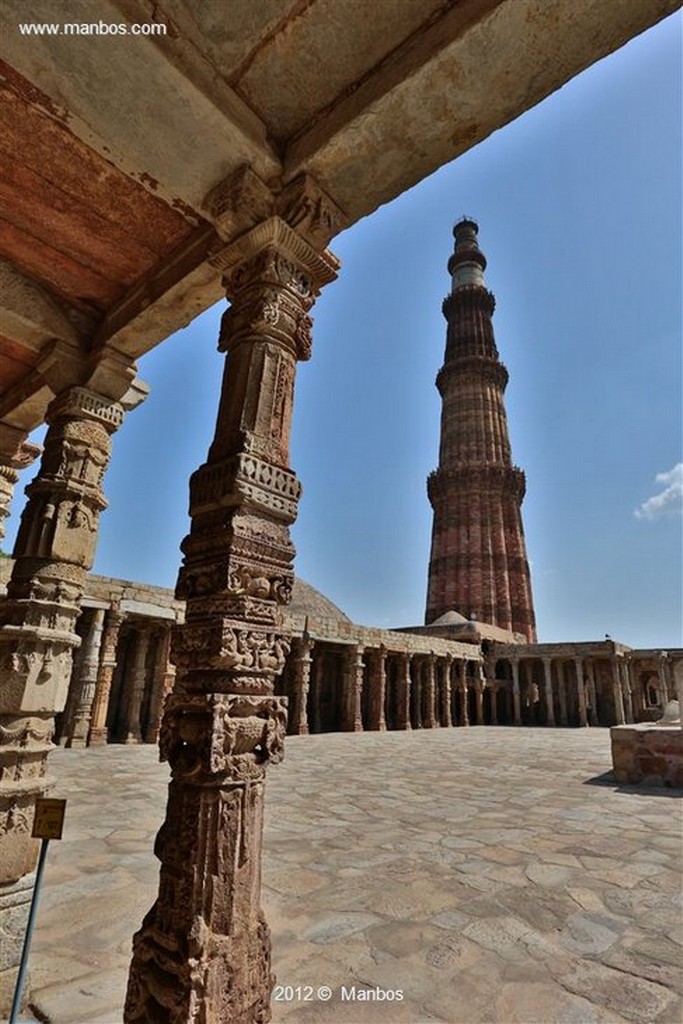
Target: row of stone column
<point x="85" y="720"/>
<point x="424" y="687"/>
<point x="569" y="693"/>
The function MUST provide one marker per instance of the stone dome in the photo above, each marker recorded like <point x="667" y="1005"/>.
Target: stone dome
<point x="306" y="600"/>
<point x="450" y="618"/>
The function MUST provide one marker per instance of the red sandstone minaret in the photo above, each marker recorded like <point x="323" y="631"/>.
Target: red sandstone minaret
<point x="478" y="565"/>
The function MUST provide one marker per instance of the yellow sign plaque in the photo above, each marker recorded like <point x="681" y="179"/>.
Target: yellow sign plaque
<point x="49" y="820"/>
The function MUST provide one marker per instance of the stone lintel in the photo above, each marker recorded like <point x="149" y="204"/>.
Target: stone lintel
<point x="128" y="606"/>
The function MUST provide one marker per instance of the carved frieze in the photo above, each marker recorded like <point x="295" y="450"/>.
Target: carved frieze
<point x="222" y="645"/>
<point x="246" y="480"/>
<point x="222" y="735"/>
<point x="81" y="404"/>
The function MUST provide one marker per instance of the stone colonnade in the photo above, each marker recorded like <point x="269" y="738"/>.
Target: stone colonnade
<point x="373" y="681"/>
<point x="585" y="688"/>
<point x="354" y="688"/>
<point x="120" y="680"/>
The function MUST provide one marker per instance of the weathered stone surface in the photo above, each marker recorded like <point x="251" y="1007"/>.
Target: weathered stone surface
<point x="648" y="753"/>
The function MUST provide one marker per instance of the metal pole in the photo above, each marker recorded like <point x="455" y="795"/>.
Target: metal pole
<point x="16" y="1003"/>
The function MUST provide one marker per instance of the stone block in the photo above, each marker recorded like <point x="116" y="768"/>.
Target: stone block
<point x="648" y="753"/>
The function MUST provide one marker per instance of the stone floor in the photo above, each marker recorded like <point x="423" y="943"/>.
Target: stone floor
<point x="488" y="874"/>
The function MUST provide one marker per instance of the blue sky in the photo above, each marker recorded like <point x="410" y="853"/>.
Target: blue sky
<point x="579" y="207"/>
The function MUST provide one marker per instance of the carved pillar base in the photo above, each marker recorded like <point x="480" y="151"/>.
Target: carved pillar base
<point x="203" y="952"/>
<point x="15" y="904"/>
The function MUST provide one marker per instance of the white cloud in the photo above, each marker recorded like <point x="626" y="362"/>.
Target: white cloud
<point x="668" y="501"/>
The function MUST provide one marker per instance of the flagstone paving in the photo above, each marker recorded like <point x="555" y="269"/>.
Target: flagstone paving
<point x="487" y="874"/>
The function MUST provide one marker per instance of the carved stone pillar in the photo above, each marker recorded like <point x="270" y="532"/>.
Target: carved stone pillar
<point x="626" y="690"/>
<point x="318" y="676"/>
<point x="666" y="687"/>
<point x="580" y="691"/>
<point x="54" y="549"/>
<point x="617" y="692"/>
<point x="379" y="690"/>
<point x="100" y="706"/>
<point x="479" y="698"/>
<point x="464" y="695"/>
<point x="430" y="718"/>
<point x="562" y="692"/>
<point x="592" y="696"/>
<point x="548" y="684"/>
<point x="164" y="677"/>
<point x="302" y="674"/>
<point x="203" y="951"/>
<point x="403" y="693"/>
<point x="446" y="691"/>
<point x="86" y="682"/>
<point x="516" y="699"/>
<point x="15" y="454"/>
<point x="353" y="677"/>
<point x="415" y="693"/>
<point x="493" y="702"/>
<point x="136" y="689"/>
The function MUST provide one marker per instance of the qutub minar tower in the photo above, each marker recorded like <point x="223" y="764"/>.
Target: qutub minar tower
<point x="478" y="565"/>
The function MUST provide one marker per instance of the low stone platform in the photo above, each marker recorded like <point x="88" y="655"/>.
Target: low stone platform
<point x="648" y="752"/>
<point x="488" y="874"/>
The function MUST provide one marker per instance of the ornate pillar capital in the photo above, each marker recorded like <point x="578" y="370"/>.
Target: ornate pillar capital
<point x="243" y="200"/>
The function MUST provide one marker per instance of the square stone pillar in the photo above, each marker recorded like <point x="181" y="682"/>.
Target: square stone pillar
<point x="592" y="696"/>
<point x="617" y="692"/>
<point x="430" y="717"/>
<point x="203" y="951"/>
<point x="464" y="695"/>
<point x="318" y="678"/>
<point x="548" y="690"/>
<point x="516" y="699"/>
<point x="415" y="694"/>
<point x="403" y="684"/>
<point x="562" y="692"/>
<point x="580" y="691"/>
<point x="446" y="691"/>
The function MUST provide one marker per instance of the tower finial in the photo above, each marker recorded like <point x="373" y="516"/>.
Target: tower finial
<point x="467" y="264"/>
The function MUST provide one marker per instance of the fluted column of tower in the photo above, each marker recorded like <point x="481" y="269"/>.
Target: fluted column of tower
<point x="478" y="562"/>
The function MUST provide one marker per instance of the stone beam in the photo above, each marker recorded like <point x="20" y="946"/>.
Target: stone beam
<point x="201" y="113"/>
<point x="468" y="74"/>
<point x="62" y="365"/>
<point x="29" y="315"/>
